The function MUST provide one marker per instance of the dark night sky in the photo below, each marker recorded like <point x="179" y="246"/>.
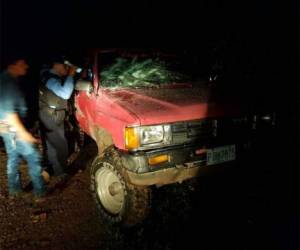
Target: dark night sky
<point x="138" y="23"/>
<point x="249" y="35"/>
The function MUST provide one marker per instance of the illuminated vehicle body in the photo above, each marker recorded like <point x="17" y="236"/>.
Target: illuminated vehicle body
<point x="154" y="134"/>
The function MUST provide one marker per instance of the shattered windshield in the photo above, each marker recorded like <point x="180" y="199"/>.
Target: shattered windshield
<point x="136" y="71"/>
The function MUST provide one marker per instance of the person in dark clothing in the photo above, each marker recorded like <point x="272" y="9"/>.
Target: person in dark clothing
<point x="57" y="85"/>
<point x="19" y="143"/>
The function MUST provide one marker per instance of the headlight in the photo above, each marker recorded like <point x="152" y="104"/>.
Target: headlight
<point x="152" y="134"/>
<point x="147" y="136"/>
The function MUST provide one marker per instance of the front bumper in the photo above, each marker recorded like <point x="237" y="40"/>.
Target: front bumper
<point x="164" y="176"/>
<point x="184" y="163"/>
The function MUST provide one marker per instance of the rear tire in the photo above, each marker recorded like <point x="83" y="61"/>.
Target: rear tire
<point x="119" y="202"/>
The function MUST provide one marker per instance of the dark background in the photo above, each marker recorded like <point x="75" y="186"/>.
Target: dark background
<point x="256" y="41"/>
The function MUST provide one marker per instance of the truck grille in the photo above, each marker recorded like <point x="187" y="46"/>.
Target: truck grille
<point x="186" y="132"/>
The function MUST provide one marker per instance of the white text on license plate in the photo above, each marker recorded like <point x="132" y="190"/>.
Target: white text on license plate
<point x="220" y="154"/>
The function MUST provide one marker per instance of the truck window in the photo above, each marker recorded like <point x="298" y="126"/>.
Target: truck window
<point x="131" y="70"/>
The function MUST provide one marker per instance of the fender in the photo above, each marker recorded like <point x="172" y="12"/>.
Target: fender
<point x="103" y="138"/>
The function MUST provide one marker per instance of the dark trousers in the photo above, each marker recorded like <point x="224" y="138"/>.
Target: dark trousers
<point x="53" y="131"/>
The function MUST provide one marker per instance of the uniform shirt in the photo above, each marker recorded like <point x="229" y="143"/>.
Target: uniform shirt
<point x="11" y="98"/>
<point x="61" y="89"/>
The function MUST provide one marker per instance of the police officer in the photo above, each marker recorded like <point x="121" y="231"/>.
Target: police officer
<point x="57" y="85"/>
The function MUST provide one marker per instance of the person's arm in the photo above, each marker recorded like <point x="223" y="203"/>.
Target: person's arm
<point x="64" y="91"/>
<point x="14" y="121"/>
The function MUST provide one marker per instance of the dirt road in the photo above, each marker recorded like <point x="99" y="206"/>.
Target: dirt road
<point x="239" y="208"/>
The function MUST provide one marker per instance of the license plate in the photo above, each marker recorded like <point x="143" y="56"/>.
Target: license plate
<point x="220" y="154"/>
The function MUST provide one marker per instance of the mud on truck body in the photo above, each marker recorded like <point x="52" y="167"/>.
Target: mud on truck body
<point x="153" y="134"/>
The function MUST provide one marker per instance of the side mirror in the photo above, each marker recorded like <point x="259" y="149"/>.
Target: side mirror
<point x="83" y="85"/>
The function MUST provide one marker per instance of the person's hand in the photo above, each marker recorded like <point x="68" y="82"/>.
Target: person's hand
<point x="27" y="137"/>
<point x="72" y="70"/>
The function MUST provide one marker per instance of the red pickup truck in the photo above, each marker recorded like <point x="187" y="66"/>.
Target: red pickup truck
<point x="152" y="132"/>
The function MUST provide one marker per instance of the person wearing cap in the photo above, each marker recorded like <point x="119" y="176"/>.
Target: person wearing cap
<point x="19" y="142"/>
<point x="57" y="85"/>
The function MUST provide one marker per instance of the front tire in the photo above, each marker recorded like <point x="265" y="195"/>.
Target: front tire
<point x="118" y="201"/>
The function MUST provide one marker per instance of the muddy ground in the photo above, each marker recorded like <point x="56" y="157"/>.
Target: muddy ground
<point x="247" y="206"/>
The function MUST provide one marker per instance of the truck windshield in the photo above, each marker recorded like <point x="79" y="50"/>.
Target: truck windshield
<point x="141" y="70"/>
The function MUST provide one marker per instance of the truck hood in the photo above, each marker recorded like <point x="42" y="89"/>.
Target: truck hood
<point x="170" y="104"/>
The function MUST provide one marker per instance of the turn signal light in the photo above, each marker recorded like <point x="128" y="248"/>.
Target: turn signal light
<point x="158" y="159"/>
<point x="131" y="138"/>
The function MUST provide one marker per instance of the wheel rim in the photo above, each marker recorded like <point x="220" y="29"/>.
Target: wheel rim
<point x="109" y="189"/>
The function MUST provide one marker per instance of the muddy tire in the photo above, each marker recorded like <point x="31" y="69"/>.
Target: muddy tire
<point x="119" y="202"/>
